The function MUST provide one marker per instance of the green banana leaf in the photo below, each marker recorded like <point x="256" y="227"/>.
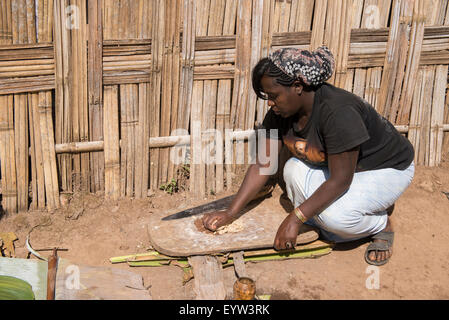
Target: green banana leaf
<point x="15" y="289"/>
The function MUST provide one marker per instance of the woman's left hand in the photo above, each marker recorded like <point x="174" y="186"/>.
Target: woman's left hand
<point x="287" y="233"/>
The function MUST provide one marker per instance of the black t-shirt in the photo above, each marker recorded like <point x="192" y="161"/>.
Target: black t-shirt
<point x="341" y="121"/>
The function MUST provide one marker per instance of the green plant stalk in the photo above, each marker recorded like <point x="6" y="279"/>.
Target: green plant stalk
<point x="160" y="263"/>
<point x="312" y="253"/>
<point x="151" y="255"/>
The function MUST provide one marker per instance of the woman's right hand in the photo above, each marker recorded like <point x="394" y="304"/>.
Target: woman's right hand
<point x="214" y="220"/>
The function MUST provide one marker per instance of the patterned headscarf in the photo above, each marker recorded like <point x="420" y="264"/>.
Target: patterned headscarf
<point x="313" y="68"/>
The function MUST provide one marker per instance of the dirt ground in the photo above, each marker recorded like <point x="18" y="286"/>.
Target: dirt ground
<point x="95" y="230"/>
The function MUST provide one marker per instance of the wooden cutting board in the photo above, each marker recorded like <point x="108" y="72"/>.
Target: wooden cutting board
<point x="183" y="237"/>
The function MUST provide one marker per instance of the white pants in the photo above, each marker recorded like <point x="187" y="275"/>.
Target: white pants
<point x="360" y="211"/>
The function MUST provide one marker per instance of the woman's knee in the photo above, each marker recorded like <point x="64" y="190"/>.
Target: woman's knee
<point x="293" y="170"/>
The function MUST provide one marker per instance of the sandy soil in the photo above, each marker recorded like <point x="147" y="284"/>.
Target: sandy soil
<point x="94" y="230"/>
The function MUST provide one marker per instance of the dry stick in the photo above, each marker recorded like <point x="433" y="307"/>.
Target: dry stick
<point x="59" y="88"/>
<point x="49" y="27"/>
<point x="31" y="21"/>
<point x="124" y="137"/>
<point x="197" y="177"/>
<point x="413" y="134"/>
<point x="132" y="104"/>
<point x="166" y="90"/>
<point x="304" y="16"/>
<point x="51" y="201"/>
<point x="187" y="56"/>
<point x="319" y="20"/>
<point x="75" y="89"/>
<point x="210" y="103"/>
<point x="406" y="12"/>
<point x="95" y="82"/>
<point x="15" y="22"/>
<point x="413" y="63"/>
<point x="21" y="138"/>
<point x="84" y="110"/>
<point x="22" y="20"/>
<point x="158" y="31"/>
<point x="175" y="78"/>
<point x="35" y="127"/>
<point x="228" y="29"/>
<point x="34" y="191"/>
<point x="7" y="157"/>
<point x="198" y="169"/>
<point x="111" y="143"/>
<point x="242" y="70"/>
<point x="437" y="117"/>
<point x="142" y="152"/>
<point x="426" y="120"/>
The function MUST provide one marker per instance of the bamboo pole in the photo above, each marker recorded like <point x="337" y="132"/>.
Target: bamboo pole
<point x="111" y="142"/>
<point x="39" y="186"/>
<point x="84" y="103"/>
<point x="158" y="30"/>
<point x="95" y="83"/>
<point x="176" y="76"/>
<point x="21" y="149"/>
<point x="142" y="142"/>
<point x="49" y="157"/>
<point x="166" y="95"/>
<point x="319" y="20"/>
<point x="186" y="80"/>
<point x="7" y="155"/>
<point x="197" y="169"/>
<point x="437" y="115"/>
<point x="415" y="45"/>
<point x="415" y="114"/>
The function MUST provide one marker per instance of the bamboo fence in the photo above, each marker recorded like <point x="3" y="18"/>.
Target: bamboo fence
<point x="98" y="95"/>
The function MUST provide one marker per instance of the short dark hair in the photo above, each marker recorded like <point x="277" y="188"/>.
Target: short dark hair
<point x="265" y="67"/>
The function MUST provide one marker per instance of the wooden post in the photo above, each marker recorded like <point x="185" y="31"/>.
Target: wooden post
<point x="208" y="277"/>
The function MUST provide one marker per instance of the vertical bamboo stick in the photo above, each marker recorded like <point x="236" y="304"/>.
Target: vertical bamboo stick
<point x="437" y="116"/>
<point x="412" y="62"/>
<point x="242" y="68"/>
<point x="84" y="110"/>
<point x="394" y="64"/>
<point x="424" y="150"/>
<point x="95" y="82"/>
<point x="187" y="56"/>
<point x="186" y="81"/>
<point x="319" y="22"/>
<point x="142" y="143"/>
<point x="63" y="102"/>
<point x="225" y="86"/>
<point x="197" y="169"/>
<point x="8" y="159"/>
<point x="34" y="191"/>
<point x="31" y="21"/>
<point x="111" y="142"/>
<point x="37" y="143"/>
<point x="304" y="15"/>
<point x="48" y="149"/>
<point x="50" y="19"/>
<point x="267" y="31"/>
<point x="158" y="31"/>
<point x="416" y="113"/>
<point x="166" y="97"/>
<point x="21" y="145"/>
<point x="176" y="76"/>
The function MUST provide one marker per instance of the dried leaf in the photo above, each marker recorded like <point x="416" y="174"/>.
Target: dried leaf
<point x="8" y="243"/>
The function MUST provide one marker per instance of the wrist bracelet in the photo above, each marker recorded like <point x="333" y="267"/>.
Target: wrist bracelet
<point x="300" y="215"/>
